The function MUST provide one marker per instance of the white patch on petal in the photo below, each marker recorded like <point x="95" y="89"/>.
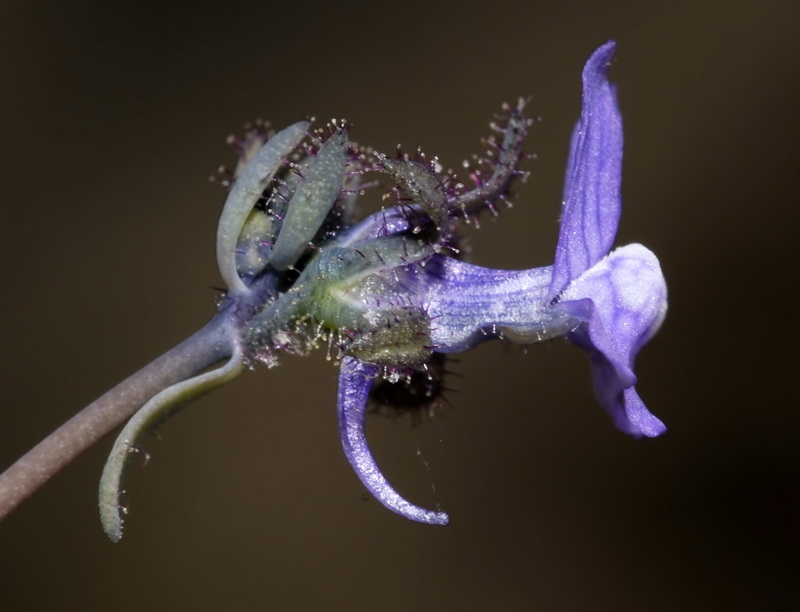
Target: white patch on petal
<point x="637" y="277"/>
<point x="634" y="274"/>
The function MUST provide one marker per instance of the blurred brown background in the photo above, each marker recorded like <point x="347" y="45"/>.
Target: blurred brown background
<point x="113" y="115"/>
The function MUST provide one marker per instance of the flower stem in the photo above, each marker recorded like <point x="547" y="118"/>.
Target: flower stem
<point x="201" y="350"/>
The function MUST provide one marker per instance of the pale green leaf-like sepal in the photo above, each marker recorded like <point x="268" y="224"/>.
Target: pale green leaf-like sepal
<point x="244" y="194"/>
<point x="320" y="185"/>
<point x="159" y="408"/>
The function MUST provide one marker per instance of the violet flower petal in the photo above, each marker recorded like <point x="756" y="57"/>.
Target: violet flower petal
<point x="468" y="304"/>
<point x="355" y="381"/>
<point x="623" y="300"/>
<point x="591" y="208"/>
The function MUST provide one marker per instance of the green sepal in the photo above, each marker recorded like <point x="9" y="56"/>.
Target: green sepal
<point x="316" y="193"/>
<point x="244" y="195"/>
<point x="159" y="408"/>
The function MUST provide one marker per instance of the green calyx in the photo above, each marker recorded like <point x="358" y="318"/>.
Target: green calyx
<point x="364" y="293"/>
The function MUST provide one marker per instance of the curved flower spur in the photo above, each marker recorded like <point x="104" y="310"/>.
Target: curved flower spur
<point x="388" y="293"/>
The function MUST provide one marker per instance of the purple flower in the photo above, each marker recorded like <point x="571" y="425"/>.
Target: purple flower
<point x="609" y="303"/>
<point x="389" y="294"/>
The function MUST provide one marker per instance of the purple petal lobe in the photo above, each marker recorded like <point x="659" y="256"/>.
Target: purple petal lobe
<point x="355" y="381"/>
<point x="591" y="207"/>
<point x="623" y="300"/>
<point x="639" y="416"/>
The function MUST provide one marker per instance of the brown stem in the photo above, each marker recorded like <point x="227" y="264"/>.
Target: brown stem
<point x="56" y="451"/>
